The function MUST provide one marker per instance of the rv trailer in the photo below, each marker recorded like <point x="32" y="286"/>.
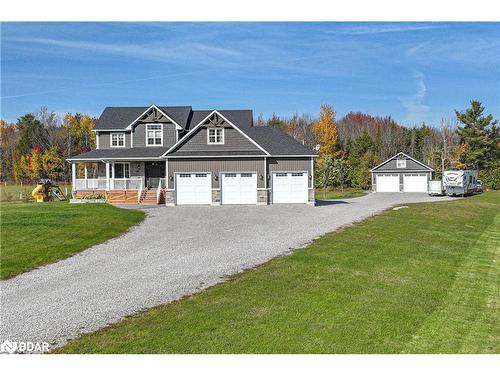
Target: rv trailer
<point x="461" y="182"/>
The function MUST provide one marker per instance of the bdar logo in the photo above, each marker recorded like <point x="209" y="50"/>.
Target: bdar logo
<point x="8" y="346"/>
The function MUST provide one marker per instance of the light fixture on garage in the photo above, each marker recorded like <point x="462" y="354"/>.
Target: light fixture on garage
<point x="216" y="177"/>
<point x="268" y="177"/>
<point x="261" y="177"/>
<point x="171" y="178"/>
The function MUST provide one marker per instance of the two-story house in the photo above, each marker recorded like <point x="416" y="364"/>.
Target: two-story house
<point x="181" y="156"/>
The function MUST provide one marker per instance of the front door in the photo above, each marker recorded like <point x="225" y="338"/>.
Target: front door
<point x="154" y="171"/>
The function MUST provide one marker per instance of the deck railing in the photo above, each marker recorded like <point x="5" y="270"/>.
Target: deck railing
<point x="90" y="184"/>
<point x="162" y="184"/>
<point x="125" y="183"/>
<point x="114" y="184"/>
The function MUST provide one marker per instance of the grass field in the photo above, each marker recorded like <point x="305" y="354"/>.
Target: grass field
<point x="424" y="279"/>
<point x="34" y="234"/>
<point x="22" y="193"/>
<point x="339" y="194"/>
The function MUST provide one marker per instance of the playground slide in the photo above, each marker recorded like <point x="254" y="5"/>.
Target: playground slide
<point x="37" y="193"/>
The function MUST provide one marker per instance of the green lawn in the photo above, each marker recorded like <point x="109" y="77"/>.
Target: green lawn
<point x="339" y="194"/>
<point x="423" y="279"/>
<point x="34" y="234"/>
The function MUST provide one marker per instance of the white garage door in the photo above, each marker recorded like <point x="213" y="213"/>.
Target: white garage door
<point x="239" y="188"/>
<point x="194" y="188"/>
<point x="415" y="183"/>
<point x="290" y="187"/>
<point x="387" y="183"/>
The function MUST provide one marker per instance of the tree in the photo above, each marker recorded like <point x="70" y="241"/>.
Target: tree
<point x="9" y="137"/>
<point x="32" y="134"/>
<point x="476" y="134"/>
<point x="325" y="131"/>
<point x="276" y="122"/>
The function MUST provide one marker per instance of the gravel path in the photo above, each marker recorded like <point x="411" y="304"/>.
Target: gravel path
<point x="174" y="252"/>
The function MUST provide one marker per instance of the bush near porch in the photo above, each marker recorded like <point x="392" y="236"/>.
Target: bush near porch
<point x="34" y="234"/>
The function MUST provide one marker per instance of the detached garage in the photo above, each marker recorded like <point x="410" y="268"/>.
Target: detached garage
<point x="401" y="173"/>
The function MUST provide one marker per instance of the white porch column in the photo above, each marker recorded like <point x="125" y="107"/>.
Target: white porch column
<point x="85" y="174"/>
<point x="73" y="175"/>
<point x="107" y="175"/>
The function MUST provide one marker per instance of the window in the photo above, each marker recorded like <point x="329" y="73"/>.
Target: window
<point x="185" y="175"/>
<point x="246" y="175"/>
<point x="281" y="174"/>
<point x="122" y="170"/>
<point x="296" y="174"/>
<point x="215" y="136"/>
<point x="200" y="175"/>
<point x="154" y="134"/>
<point x="117" y="140"/>
<point x="229" y="174"/>
<point x="401" y="163"/>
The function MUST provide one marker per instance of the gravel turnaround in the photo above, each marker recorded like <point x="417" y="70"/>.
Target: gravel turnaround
<point x="176" y="251"/>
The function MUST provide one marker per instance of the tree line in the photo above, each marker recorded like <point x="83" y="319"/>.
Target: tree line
<point x="351" y="146"/>
<point x="37" y="145"/>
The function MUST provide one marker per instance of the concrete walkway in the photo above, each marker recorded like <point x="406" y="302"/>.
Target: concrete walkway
<point x="174" y="252"/>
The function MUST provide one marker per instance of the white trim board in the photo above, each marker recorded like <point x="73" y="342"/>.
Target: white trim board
<point x="146" y="111"/>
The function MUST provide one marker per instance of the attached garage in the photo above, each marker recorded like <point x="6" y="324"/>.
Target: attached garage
<point x="387" y="183"/>
<point x="193" y="188"/>
<point x="239" y="188"/>
<point x="401" y="173"/>
<point x="290" y="187"/>
<point x="415" y="183"/>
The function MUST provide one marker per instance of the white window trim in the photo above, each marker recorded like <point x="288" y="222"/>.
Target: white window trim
<point x="161" y="130"/>
<point x="215" y="143"/>
<point x="400" y="166"/>
<point x="113" y="171"/>
<point x="117" y="146"/>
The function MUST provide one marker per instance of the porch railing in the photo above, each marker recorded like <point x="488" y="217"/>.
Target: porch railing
<point x="162" y="184"/>
<point x="125" y="183"/>
<point x="114" y="184"/>
<point x="90" y="184"/>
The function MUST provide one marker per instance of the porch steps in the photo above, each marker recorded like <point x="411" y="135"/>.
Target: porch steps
<point x="149" y="197"/>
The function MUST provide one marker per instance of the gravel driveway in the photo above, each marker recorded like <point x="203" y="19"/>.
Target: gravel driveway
<point x="174" y="252"/>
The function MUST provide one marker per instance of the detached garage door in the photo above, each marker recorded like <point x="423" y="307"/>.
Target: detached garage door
<point x="239" y="188"/>
<point x="194" y="188"/>
<point x="387" y="183"/>
<point x="290" y="187"/>
<point x="415" y="183"/>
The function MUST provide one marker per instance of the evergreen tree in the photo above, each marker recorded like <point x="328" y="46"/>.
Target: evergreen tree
<point x="32" y="134"/>
<point x="476" y="134"/>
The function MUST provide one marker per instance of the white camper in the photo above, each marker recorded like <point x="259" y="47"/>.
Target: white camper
<point x="461" y="182"/>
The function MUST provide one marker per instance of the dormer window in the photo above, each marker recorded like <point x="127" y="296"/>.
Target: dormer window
<point x="215" y="136"/>
<point x="401" y="163"/>
<point x="154" y="134"/>
<point x="117" y="140"/>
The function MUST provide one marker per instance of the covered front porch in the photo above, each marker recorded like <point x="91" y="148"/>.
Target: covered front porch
<point x="119" y="181"/>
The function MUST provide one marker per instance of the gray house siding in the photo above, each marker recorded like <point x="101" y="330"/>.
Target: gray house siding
<point x="169" y="135"/>
<point x="105" y="139"/>
<point x="216" y="166"/>
<point x="233" y="141"/>
<point x="289" y="165"/>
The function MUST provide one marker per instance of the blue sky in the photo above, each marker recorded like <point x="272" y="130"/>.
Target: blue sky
<point x="413" y="72"/>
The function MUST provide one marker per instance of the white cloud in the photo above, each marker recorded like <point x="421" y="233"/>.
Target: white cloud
<point x="416" y="110"/>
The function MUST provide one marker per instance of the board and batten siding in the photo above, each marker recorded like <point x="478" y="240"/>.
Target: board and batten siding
<point x="233" y="141"/>
<point x="289" y="165"/>
<point x="105" y="140"/>
<point x="216" y="166"/>
<point x="169" y="135"/>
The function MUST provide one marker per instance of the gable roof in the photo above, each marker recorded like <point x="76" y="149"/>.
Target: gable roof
<point x="425" y="167"/>
<point x="277" y="142"/>
<point x="113" y="118"/>
<point x="237" y="114"/>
